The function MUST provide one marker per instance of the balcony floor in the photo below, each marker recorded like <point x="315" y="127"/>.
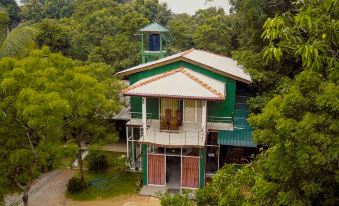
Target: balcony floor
<point x="189" y="134"/>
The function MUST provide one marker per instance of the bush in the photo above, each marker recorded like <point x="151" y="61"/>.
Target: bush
<point x="97" y="162"/>
<point x="120" y="164"/>
<point x="74" y="185"/>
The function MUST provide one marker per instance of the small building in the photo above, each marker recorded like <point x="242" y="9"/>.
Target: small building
<point x="188" y="114"/>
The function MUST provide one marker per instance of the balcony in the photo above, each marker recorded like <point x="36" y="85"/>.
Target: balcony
<point x="215" y="123"/>
<point x="188" y="134"/>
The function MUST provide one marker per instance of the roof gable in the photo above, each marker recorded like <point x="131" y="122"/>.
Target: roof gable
<point x="179" y="83"/>
<point x="216" y="63"/>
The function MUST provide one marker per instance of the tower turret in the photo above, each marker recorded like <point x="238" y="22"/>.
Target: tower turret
<point x="155" y="38"/>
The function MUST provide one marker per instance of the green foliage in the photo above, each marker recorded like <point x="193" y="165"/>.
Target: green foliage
<point x="54" y="34"/>
<point x="74" y="185"/>
<point x="36" y="10"/>
<point x="217" y="28"/>
<point x="46" y="98"/>
<point x="181" y="29"/>
<point x="183" y="199"/>
<point x="19" y="42"/>
<point x="310" y="35"/>
<point x="12" y="8"/>
<point x="206" y="197"/>
<point x="97" y="162"/>
<point x="120" y="164"/>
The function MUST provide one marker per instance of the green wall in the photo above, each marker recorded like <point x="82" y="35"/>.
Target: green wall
<point x="202" y="168"/>
<point x="223" y="109"/>
<point x="144" y="163"/>
<point x="152" y="106"/>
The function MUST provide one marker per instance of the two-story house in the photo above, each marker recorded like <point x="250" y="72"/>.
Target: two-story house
<point x="187" y="114"/>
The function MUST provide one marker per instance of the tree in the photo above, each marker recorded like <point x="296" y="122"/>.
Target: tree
<point x="31" y="119"/>
<point x="45" y="98"/>
<point x="217" y="29"/>
<point x="93" y="96"/>
<point x="181" y="29"/>
<point x="12" y="8"/>
<point x="19" y="41"/>
<point x="152" y="10"/>
<point x="36" y="10"/>
<point x="55" y="35"/>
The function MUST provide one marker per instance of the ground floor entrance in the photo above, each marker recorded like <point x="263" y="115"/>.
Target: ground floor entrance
<point x="173" y="168"/>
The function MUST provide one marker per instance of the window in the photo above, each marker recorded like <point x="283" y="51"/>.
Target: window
<point x="193" y="111"/>
<point x="166" y="103"/>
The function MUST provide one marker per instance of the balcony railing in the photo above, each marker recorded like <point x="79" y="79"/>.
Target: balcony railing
<point x="136" y="119"/>
<point x="174" y="138"/>
<point x="220" y="123"/>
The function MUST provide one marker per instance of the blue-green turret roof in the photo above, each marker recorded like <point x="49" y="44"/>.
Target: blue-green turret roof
<point x="154" y="27"/>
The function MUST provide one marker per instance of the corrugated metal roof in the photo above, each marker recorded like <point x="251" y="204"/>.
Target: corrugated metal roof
<point x="124" y="114"/>
<point x="237" y="137"/>
<point x="241" y="136"/>
<point x="179" y="83"/>
<point x="224" y="65"/>
<point x="154" y="27"/>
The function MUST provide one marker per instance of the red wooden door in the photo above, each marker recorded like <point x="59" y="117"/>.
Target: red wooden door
<point x="190" y="172"/>
<point x="156" y="169"/>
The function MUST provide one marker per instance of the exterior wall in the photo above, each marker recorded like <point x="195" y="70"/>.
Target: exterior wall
<point x="221" y="109"/>
<point x="152" y="106"/>
<point x="144" y="163"/>
<point x="202" y="167"/>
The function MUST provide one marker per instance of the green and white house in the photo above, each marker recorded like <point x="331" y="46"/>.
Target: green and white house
<point x="187" y="113"/>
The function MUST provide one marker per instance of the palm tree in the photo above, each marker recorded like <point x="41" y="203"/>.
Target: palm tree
<point x="19" y="41"/>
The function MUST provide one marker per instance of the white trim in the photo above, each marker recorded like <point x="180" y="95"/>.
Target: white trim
<point x="144" y="116"/>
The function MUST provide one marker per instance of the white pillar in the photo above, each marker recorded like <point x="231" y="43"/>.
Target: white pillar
<point x="204" y="117"/>
<point x="144" y="116"/>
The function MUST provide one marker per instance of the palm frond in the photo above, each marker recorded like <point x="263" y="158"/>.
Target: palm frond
<point x="19" y="42"/>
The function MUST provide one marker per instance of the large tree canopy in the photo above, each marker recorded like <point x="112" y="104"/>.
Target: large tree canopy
<point x="45" y="99"/>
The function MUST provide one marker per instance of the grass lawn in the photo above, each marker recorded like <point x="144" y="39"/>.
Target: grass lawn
<point x="108" y="184"/>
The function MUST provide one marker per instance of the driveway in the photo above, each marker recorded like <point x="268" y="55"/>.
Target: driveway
<point x="48" y="190"/>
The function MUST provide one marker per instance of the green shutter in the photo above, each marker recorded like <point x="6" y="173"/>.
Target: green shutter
<point x="144" y="163"/>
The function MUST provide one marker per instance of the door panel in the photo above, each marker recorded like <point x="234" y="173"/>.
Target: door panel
<point x="190" y="172"/>
<point x="156" y="169"/>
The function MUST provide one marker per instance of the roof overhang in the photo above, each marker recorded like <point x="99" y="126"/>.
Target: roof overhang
<point x="182" y="57"/>
<point x="181" y="83"/>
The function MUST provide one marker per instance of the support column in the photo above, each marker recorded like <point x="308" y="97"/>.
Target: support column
<point x="133" y="148"/>
<point x="144" y="116"/>
<point x="127" y="143"/>
<point x="204" y="118"/>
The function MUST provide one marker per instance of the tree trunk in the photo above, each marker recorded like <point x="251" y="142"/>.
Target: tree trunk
<point x="25" y="196"/>
<point x="81" y="169"/>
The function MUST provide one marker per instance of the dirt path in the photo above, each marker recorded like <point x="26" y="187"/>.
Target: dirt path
<point x="133" y="200"/>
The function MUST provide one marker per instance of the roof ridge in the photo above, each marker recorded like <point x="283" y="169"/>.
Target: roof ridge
<point x="201" y="83"/>
<point x="152" y="79"/>
<point x="187" y="52"/>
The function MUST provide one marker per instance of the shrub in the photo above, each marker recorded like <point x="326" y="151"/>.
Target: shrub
<point x="120" y="164"/>
<point x="97" y="162"/>
<point x="74" y="185"/>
